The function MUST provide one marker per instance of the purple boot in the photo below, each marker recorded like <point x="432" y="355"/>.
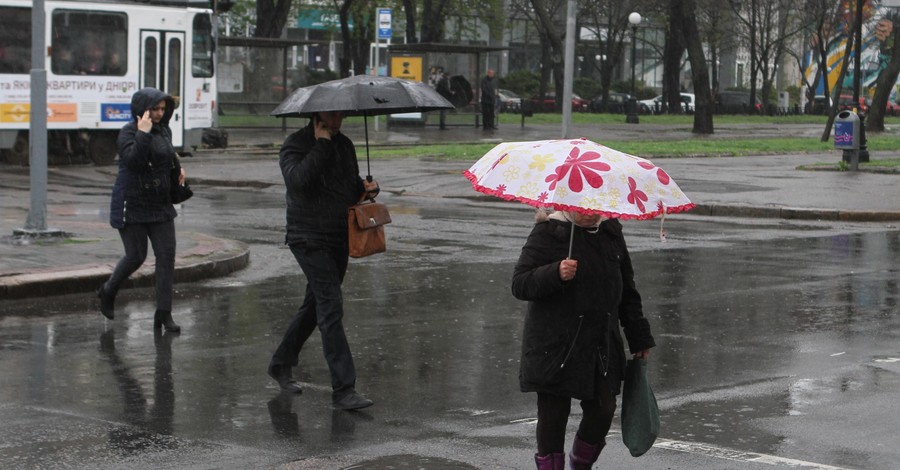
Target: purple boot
<point x="584" y="455"/>
<point x="550" y="461"/>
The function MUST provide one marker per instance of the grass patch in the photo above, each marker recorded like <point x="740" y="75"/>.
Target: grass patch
<point x="676" y="148"/>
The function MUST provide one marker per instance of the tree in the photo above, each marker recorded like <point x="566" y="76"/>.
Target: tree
<point x="552" y="47"/>
<point x="271" y="16"/>
<point x="673" y="51"/>
<point x="886" y="80"/>
<point x="608" y="20"/>
<point x="703" y="112"/>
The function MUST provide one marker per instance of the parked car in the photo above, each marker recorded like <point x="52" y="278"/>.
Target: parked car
<point x="736" y="102"/>
<point x="547" y="103"/>
<point x="845" y="102"/>
<point x="615" y="104"/>
<point x="891" y="109"/>
<point x="509" y="101"/>
<point x="655" y="105"/>
<point x="820" y="104"/>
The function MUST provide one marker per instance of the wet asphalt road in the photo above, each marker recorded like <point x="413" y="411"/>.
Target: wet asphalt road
<point x="777" y="347"/>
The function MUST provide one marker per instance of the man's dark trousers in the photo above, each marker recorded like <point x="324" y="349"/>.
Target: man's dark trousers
<point x="324" y="267"/>
<point x="487" y="115"/>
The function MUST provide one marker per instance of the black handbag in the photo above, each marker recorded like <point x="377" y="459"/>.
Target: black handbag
<point x="178" y="193"/>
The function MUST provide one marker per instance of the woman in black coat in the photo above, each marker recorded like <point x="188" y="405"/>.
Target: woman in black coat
<point x="141" y="206"/>
<point x="572" y="346"/>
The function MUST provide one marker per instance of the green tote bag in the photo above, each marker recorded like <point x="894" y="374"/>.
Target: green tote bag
<point x="640" y="415"/>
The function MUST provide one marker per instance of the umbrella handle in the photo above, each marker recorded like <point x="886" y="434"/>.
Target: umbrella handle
<point x="571" y="240"/>
<point x="368" y="165"/>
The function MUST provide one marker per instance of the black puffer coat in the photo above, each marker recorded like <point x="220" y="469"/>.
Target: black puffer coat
<point x="571" y="334"/>
<point x="322" y="181"/>
<point x="146" y="162"/>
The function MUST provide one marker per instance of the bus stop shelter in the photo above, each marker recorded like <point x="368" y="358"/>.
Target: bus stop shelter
<point x="243" y="91"/>
<point x="470" y="61"/>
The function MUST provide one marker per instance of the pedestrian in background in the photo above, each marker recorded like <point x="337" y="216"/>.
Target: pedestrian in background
<point x="141" y="206"/>
<point x="488" y="101"/>
<point x="321" y="177"/>
<point x="571" y="345"/>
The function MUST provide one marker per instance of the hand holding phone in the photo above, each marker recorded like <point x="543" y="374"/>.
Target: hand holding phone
<point x="321" y="128"/>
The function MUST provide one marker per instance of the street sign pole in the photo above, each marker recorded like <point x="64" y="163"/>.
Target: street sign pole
<point x="383" y="30"/>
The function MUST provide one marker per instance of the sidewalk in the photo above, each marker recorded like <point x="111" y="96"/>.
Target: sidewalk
<point x="762" y="186"/>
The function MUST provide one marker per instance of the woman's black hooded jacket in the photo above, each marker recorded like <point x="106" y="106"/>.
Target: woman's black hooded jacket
<point x="571" y="336"/>
<point x="141" y="193"/>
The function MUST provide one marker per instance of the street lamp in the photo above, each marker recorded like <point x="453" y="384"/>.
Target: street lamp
<point x="634" y="19"/>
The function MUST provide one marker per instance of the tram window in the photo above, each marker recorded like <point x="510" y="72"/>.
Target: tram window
<point x="150" y="62"/>
<point x="173" y="77"/>
<point x="15" y="40"/>
<point x="89" y="43"/>
<point x="202" y="47"/>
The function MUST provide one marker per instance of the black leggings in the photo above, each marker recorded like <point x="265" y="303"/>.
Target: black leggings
<point x="553" y="415"/>
<point x="134" y="239"/>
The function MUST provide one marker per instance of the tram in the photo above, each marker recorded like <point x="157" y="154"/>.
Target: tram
<point x="98" y="54"/>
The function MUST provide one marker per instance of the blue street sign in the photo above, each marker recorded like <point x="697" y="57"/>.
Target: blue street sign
<point x="384" y="23"/>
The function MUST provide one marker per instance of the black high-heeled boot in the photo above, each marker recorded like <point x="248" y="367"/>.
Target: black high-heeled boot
<point x="107" y="302"/>
<point x="163" y="318"/>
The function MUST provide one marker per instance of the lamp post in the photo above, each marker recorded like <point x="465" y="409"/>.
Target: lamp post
<point x="632" y="118"/>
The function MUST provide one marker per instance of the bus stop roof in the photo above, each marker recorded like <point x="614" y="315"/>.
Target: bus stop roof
<point x="445" y="48"/>
<point x="272" y="43"/>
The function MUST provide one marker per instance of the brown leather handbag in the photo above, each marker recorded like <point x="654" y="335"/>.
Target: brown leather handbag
<point x="366" y="222"/>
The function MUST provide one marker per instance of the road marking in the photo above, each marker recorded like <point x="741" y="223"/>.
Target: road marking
<point x="731" y="454"/>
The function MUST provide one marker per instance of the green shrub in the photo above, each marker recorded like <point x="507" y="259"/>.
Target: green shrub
<point x="521" y="82"/>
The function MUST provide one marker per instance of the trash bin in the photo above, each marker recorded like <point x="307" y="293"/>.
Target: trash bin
<point x="527" y="108"/>
<point x="847" y="136"/>
<point x="846" y="131"/>
<point x="631" y="111"/>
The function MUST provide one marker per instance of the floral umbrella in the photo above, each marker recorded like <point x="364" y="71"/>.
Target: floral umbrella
<point x="577" y="175"/>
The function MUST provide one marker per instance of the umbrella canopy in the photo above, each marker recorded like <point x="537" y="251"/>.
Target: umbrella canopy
<point x="362" y="95"/>
<point x="577" y="175"/>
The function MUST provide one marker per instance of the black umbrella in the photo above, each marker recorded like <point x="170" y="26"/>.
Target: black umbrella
<point x="362" y="95"/>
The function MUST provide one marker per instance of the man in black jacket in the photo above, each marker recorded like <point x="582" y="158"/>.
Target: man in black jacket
<point x="322" y="181"/>
<point x="488" y="100"/>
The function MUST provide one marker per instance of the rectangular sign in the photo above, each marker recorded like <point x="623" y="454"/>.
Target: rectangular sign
<point x="385" y="30"/>
<point x="115" y="112"/>
<point x="62" y="112"/>
<point x="408" y="67"/>
<point x="15" y="112"/>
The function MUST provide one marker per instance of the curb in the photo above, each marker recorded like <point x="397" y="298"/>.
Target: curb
<point x="211" y="257"/>
<point x="793" y="213"/>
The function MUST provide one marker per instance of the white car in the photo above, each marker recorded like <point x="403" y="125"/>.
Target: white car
<point x="652" y="106"/>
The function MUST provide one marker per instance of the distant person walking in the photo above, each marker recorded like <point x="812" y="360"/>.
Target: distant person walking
<point x="488" y="101"/>
<point x="141" y="206"/>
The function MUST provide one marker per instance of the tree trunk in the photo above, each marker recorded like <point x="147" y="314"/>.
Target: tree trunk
<point x="433" y="20"/>
<point x="674" y="50"/>
<point x="347" y="46"/>
<point x="886" y="80"/>
<point x="703" y="112"/>
<point x="409" y="8"/>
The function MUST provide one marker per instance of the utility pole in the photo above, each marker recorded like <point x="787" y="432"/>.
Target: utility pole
<point x="36" y="224"/>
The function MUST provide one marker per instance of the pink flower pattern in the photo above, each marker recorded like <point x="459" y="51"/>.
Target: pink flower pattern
<point x="582" y="165"/>
<point x="636" y="196"/>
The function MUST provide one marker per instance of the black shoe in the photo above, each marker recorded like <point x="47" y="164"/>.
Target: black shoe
<point x="353" y="401"/>
<point x="107" y="303"/>
<point x="282" y="375"/>
<point x="163" y="318"/>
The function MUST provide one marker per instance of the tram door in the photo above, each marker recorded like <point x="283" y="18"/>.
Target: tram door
<point x="162" y="59"/>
